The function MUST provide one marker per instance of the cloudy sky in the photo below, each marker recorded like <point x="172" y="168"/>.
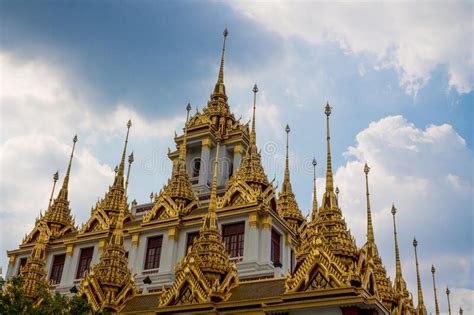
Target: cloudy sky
<point x="398" y="75"/>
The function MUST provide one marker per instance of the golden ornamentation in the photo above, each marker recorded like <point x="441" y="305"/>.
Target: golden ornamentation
<point x="106" y="211"/>
<point x="177" y="198"/>
<point x="420" y="308"/>
<point x="57" y="218"/>
<point x="400" y="290"/>
<point x="34" y="272"/>
<point x="206" y="273"/>
<point x="287" y="206"/>
<point x="109" y="284"/>
<point x="433" y="270"/>
<point x="373" y="273"/>
<point x="250" y="184"/>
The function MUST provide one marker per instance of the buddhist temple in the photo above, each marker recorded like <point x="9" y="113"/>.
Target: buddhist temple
<point x="219" y="237"/>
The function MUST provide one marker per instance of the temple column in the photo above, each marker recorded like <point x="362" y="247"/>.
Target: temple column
<point x="237" y="157"/>
<point x="205" y="161"/>
<point x="251" y="234"/>
<point x="132" y="253"/>
<point x="265" y="239"/>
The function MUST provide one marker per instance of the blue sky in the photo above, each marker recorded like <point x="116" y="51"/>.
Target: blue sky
<point x="399" y="77"/>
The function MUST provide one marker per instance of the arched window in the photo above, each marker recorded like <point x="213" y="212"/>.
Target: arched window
<point x="196" y="166"/>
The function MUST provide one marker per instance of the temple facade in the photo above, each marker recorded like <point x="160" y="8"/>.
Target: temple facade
<point x="219" y="237"/>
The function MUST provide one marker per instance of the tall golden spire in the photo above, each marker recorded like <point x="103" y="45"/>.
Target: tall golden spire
<point x="34" y="272"/>
<point x="314" y="212"/>
<point x="421" y="309"/>
<point x="121" y="169"/>
<point x="58" y="216"/>
<point x="370" y="228"/>
<point x="55" y="179"/>
<point x="253" y="132"/>
<point x="286" y="205"/>
<point x="110" y="283"/>
<point x="399" y="282"/>
<point x="329" y="198"/>
<point x="211" y="221"/>
<point x="433" y="270"/>
<point x="449" y="302"/>
<point x="220" y="88"/>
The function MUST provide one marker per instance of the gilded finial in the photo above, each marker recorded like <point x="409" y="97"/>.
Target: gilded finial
<point x="398" y="270"/>
<point x="253" y="135"/>
<point x="131" y="159"/>
<point x="421" y="306"/>
<point x="219" y="88"/>
<point x="433" y="270"/>
<point x="286" y="179"/>
<point x="55" y="179"/>
<point x="226" y="32"/>
<point x="129" y="124"/>
<point x="116" y="169"/>
<point x="370" y="228"/>
<point x="460" y="311"/>
<point x="151" y="196"/>
<point x="327" y="109"/>
<point x="449" y="302"/>
<point x="329" y="198"/>
<point x="315" y="196"/>
<point x="188" y="107"/>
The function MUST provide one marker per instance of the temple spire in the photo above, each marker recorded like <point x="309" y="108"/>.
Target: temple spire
<point x="314" y="212"/>
<point x="131" y="159"/>
<point x="64" y="189"/>
<point x="370" y="228"/>
<point x="449" y="302"/>
<point x="433" y="270"/>
<point x="421" y="305"/>
<point x="329" y="198"/>
<point x="121" y="168"/>
<point x="211" y="221"/>
<point x="220" y="88"/>
<point x="182" y="149"/>
<point x="55" y="179"/>
<point x="286" y="180"/>
<point x="253" y="133"/>
<point x="398" y="266"/>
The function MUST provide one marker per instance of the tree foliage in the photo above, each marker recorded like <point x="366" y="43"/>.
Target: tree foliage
<point x="13" y="301"/>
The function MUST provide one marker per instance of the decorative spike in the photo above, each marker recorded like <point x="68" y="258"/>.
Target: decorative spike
<point x="370" y="228"/>
<point x="460" y="311"/>
<point x="398" y="272"/>
<point x="130" y="161"/>
<point x="55" y="179"/>
<point x="151" y="196"/>
<point x="421" y="306"/>
<point x="433" y="270"/>
<point x="329" y="198"/>
<point x="314" y="213"/>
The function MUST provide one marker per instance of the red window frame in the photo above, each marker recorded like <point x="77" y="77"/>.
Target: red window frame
<point x="153" y="252"/>
<point x="84" y="261"/>
<point x="275" y="252"/>
<point x="190" y="240"/>
<point x="57" y="268"/>
<point x="233" y="236"/>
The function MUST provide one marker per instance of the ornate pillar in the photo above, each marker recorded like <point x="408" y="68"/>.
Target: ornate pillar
<point x="238" y="149"/>
<point x="205" y="161"/>
<point x="251" y="247"/>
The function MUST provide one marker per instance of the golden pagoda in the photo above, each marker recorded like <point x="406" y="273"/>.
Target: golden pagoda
<point x="109" y="284"/>
<point x="373" y="273"/>
<point x="215" y="239"/>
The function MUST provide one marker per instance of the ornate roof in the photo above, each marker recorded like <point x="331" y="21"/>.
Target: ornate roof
<point x="370" y="262"/>
<point x="177" y="198"/>
<point x="286" y="205"/>
<point x="400" y="290"/>
<point x="250" y="183"/>
<point x="206" y="273"/>
<point x="34" y="272"/>
<point x="110" y="283"/>
<point x="329" y="223"/>
<point x="107" y="209"/>
<point x="57" y="218"/>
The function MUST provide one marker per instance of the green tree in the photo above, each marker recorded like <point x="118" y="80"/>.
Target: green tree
<point x="13" y="301"/>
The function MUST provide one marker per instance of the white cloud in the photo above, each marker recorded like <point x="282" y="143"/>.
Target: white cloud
<point x="40" y="110"/>
<point x="412" y="38"/>
<point x="427" y="173"/>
